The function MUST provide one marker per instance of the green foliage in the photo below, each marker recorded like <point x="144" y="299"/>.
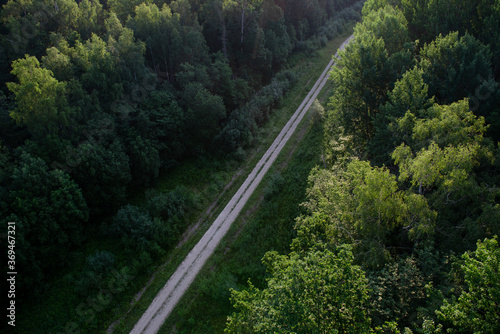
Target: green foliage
<point x="218" y="78"/>
<point x="132" y="222"/>
<point x="477" y="308"/>
<point x="446" y="148"/>
<point x="145" y="161"/>
<point x="93" y="275"/>
<point x="275" y="185"/>
<point x="50" y="211"/>
<point x="374" y="5"/>
<point x="100" y="75"/>
<point x="396" y="292"/>
<point x="204" y="114"/>
<point x="316" y="292"/>
<point x="454" y="67"/>
<point x="139" y="232"/>
<point x="101" y="166"/>
<point x="242" y="124"/>
<point x="361" y="205"/>
<point x="449" y="125"/>
<point x="129" y="54"/>
<point x="409" y="99"/>
<point x="171" y="206"/>
<point x="450" y="167"/>
<point x="59" y="63"/>
<point x="389" y="24"/>
<point x="169" y="43"/>
<point x="162" y="121"/>
<point x="40" y="98"/>
<point x="116" y="93"/>
<point x="278" y="41"/>
<point x="439" y="186"/>
<point x="366" y="70"/>
<point x="100" y="262"/>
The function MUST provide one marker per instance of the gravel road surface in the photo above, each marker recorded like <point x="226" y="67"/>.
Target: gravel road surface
<point x="179" y="282"/>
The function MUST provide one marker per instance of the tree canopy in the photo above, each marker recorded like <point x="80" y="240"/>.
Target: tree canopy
<point x="409" y="180"/>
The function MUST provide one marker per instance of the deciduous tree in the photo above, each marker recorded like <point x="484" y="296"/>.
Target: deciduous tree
<point x="315" y="292"/>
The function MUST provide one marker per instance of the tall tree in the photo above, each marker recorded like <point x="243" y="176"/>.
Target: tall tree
<point x="246" y="11"/>
<point x="168" y="42"/>
<point x="316" y="292"/>
<point x="407" y="101"/>
<point x="455" y="67"/>
<point x="50" y="210"/>
<point x="477" y="308"/>
<point x="362" y="205"/>
<point x="41" y="103"/>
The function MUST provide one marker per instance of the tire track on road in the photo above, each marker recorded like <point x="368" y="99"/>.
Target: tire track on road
<point x="179" y="282"/>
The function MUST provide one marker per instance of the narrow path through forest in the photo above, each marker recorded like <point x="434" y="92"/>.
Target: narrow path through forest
<point x="179" y="282"/>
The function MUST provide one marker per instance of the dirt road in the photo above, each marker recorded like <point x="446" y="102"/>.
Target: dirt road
<point x="180" y="281"/>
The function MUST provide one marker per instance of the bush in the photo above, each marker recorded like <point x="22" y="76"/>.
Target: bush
<point x="242" y="123"/>
<point x="288" y="75"/>
<point x="101" y="262"/>
<point x="139" y="232"/>
<point x="276" y="183"/>
<point x="171" y="206"/>
<point x="238" y="132"/>
<point x="131" y="222"/>
<point x="93" y="276"/>
<point x="88" y="283"/>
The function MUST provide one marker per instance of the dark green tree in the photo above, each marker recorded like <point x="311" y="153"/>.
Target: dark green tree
<point x="161" y="120"/>
<point x="205" y="112"/>
<point x="101" y="166"/>
<point x="144" y="161"/>
<point x="50" y="212"/>
<point x="364" y="74"/>
<point x="455" y="67"/>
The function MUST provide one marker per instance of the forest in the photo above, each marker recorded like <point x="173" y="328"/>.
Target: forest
<point x="402" y="223"/>
<point x="98" y="99"/>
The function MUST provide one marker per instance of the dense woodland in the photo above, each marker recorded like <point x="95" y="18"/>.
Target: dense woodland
<point x="402" y="224"/>
<point x="99" y="98"/>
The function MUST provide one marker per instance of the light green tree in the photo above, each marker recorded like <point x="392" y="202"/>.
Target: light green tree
<point x="388" y="23"/>
<point x="321" y="291"/>
<point x="40" y="98"/>
<point x="361" y="205"/>
<point x="477" y="308"/>
<point x="366" y="70"/>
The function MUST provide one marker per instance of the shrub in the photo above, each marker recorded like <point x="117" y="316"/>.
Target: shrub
<point x="101" y="262"/>
<point x="131" y="222"/>
<point x="276" y="183"/>
<point x="242" y="123"/>
<point x="93" y="276"/>
<point x="171" y="206"/>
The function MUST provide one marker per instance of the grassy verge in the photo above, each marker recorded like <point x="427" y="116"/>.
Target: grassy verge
<point x="266" y="224"/>
<point x="207" y="179"/>
<point x="309" y="68"/>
